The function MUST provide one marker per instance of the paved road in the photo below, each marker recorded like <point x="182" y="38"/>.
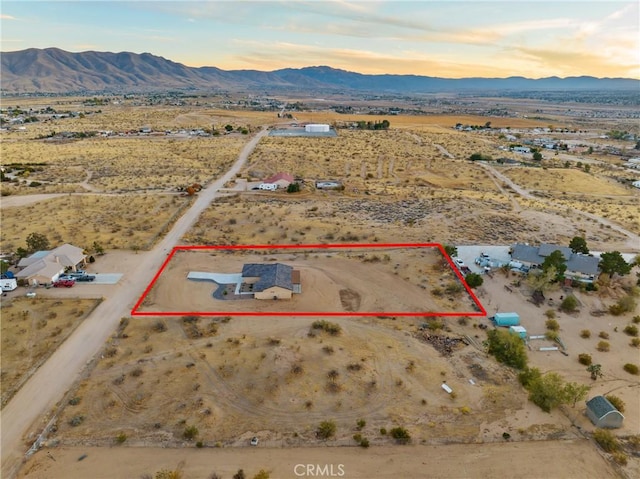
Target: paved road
<point x="49" y="384"/>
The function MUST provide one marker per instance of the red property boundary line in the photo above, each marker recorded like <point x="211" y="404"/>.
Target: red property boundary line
<point x="134" y="312"/>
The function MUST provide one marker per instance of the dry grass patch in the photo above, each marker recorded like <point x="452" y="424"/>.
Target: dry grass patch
<point x="32" y="329"/>
<point x="559" y="180"/>
<point x="124" y="221"/>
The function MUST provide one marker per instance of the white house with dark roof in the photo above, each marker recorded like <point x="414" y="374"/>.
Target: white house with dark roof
<point x="580" y="267"/>
<point x="603" y="414"/>
<point x="46" y="266"/>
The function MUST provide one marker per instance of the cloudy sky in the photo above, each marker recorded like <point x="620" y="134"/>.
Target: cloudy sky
<point x="451" y="38"/>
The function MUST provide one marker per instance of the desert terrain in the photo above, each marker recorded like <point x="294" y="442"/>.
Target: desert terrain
<point x="219" y="381"/>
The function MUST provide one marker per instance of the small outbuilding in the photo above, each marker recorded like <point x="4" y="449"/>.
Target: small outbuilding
<point x="603" y="414"/>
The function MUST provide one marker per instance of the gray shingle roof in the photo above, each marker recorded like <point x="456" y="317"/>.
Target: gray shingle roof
<point x="600" y="406"/>
<point x="583" y="264"/>
<point x="270" y="275"/>
<point x="546" y="249"/>
<point x="575" y="262"/>
<point x="524" y="252"/>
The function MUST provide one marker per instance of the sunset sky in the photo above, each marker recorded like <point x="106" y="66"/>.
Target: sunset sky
<point x="446" y="39"/>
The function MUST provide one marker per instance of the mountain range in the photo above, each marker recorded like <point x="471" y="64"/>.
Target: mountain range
<point x="52" y="70"/>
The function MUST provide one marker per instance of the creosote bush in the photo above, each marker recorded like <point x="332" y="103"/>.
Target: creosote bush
<point x="585" y="359"/>
<point x="631" y="369"/>
<point x="585" y="333"/>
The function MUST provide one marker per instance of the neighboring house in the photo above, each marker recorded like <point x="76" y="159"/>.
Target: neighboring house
<point x="283" y="180"/>
<point x="580" y="267"/>
<point x="45" y="266"/>
<point x="521" y="149"/>
<point x="603" y="414"/>
<point x="271" y="281"/>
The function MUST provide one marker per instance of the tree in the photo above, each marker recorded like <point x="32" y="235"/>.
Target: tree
<point x="612" y="263"/>
<point x="569" y="304"/>
<point x="595" y="370"/>
<point x="556" y="260"/>
<point x="239" y="475"/>
<point x="450" y="250"/>
<point x="97" y="247"/>
<point x="537" y="156"/>
<point x="507" y="348"/>
<point x="579" y="245"/>
<point x="4" y="266"/>
<point x="37" y="242"/>
<point x="228" y="128"/>
<point x="547" y="391"/>
<point x="293" y="188"/>
<point x="540" y="280"/>
<point x="474" y="280"/>
<point x="575" y="392"/>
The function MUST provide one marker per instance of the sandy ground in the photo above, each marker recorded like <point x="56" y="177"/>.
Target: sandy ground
<point x="61" y="370"/>
<point x="370" y="287"/>
<point x="553" y="459"/>
<point x="616" y="381"/>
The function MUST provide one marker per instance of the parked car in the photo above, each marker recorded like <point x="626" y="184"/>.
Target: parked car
<point x="458" y="262"/>
<point x="31" y="294"/>
<point x="64" y="283"/>
<point x="254" y="441"/>
<point x="85" y="277"/>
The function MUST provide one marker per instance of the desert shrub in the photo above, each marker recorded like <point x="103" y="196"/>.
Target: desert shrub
<point x="297" y="369"/>
<point x="620" y="458"/>
<point x="435" y="324"/>
<point x="190" y="432"/>
<point x="159" y="326"/>
<point x="364" y="442"/>
<point x="552" y="325"/>
<point x="507" y="348"/>
<point x="465" y="410"/>
<point x="616" y="401"/>
<point x="631" y="330"/>
<point x="603" y="346"/>
<point x="606" y="440"/>
<point x="167" y="474"/>
<point x="136" y="372"/>
<point x="401" y="435"/>
<point x="354" y="367"/>
<point x="569" y="304"/>
<point x="585" y="333"/>
<point x="74" y="401"/>
<point x="584" y="358"/>
<point x="636" y="319"/>
<point x="550" y="314"/>
<point x="326" y="429"/>
<point x="454" y="288"/>
<point x="625" y="304"/>
<point x="328" y="349"/>
<point x="463" y="320"/>
<point x="603" y="335"/>
<point x="361" y="424"/>
<point x="76" y="421"/>
<point x="635" y="342"/>
<point x="551" y="335"/>
<point x="121" y="438"/>
<point x="239" y="475"/>
<point x="332" y="328"/>
<point x="383" y="431"/>
<point x="631" y="369"/>
<point x="199" y="444"/>
<point x="262" y="474"/>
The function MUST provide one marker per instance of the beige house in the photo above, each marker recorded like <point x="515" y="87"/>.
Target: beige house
<point x="271" y="281"/>
<point x="46" y="266"/>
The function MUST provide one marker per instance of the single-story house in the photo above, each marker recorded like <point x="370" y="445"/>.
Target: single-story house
<point x="46" y="266"/>
<point x="271" y="281"/>
<point x="283" y="180"/>
<point x="580" y="267"/>
<point x="603" y="414"/>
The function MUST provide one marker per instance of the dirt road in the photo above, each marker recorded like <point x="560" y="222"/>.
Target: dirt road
<point x="48" y="385"/>
<point x="633" y="239"/>
<point x="557" y="459"/>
